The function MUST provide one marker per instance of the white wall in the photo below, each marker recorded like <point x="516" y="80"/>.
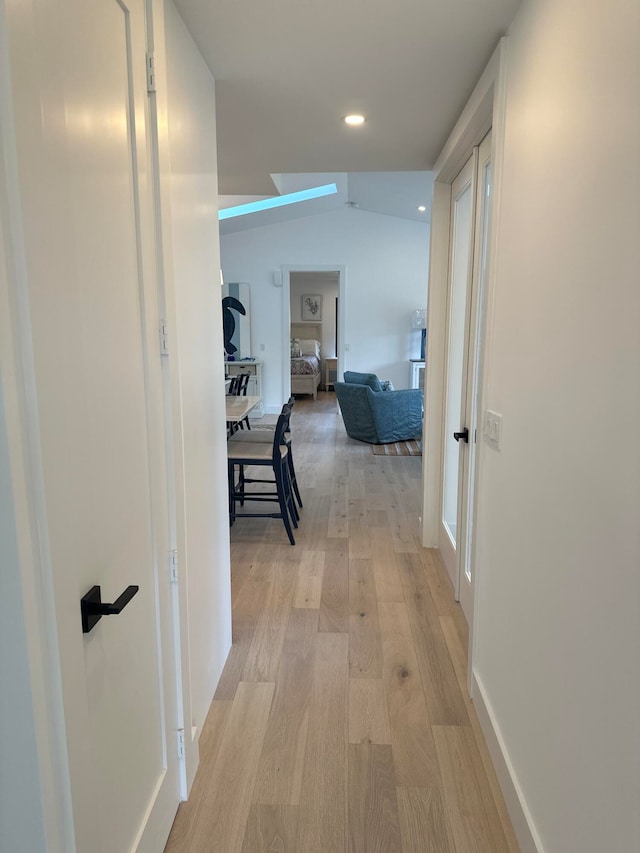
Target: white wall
<point x="386" y="262"/>
<point x="199" y="385"/>
<point x="558" y="636"/>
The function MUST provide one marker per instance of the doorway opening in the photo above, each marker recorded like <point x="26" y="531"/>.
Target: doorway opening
<point x="313" y="324"/>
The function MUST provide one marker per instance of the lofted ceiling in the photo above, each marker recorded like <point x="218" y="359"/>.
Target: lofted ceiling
<point x="287" y="71"/>
<point x="396" y="194"/>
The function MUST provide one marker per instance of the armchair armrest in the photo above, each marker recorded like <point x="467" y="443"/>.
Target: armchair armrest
<point x="397" y="414"/>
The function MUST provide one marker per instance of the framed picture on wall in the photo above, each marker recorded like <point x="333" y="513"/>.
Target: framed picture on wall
<point x="311" y="307"/>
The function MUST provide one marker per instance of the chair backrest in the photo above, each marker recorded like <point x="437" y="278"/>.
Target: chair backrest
<point x="278" y="434"/>
<point x="352" y="377"/>
<point x="289" y="405"/>
<point x="244" y="382"/>
<point x="233" y="386"/>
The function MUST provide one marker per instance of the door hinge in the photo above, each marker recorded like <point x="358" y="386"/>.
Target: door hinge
<point x="164" y="338"/>
<point x="180" y="743"/>
<point x="151" y="73"/>
<point x="173" y="566"/>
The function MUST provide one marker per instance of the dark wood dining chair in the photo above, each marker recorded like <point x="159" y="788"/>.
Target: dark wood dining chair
<point x="264" y="433"/>
<point x="243" y="384"/>
<point x="273" y="455"/>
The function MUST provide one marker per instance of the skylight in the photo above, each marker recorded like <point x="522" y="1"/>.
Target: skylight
<point x="277" y="201"/>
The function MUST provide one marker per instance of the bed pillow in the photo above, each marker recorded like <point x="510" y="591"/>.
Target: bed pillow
<point x="295" y="348"/>
<point x="310" y="348"/>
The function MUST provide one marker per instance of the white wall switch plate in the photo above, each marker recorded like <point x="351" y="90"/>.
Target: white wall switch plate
<point x="492" y="429"/>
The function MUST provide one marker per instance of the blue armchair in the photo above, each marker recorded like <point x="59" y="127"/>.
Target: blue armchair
<point x="377" y="416"/>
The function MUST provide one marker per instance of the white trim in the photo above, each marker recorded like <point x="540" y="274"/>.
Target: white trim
<point x="28" y="490"/>
<point x="287" y="269"/>
<point x="435" y="367"/>
<point x="484" y="110"/>
<point x="285" y="358"/>
<point x="475" y="121"/>
<point x="497" y="160"/>
<point x="521" y="818"/>
<point x="172" y="393"/>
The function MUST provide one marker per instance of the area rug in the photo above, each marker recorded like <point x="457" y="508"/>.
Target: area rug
<point x="398" y="448"/>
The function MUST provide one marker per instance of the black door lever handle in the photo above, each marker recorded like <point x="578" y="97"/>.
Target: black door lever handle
<point x="464" y="435"/>
<point x="93" y="608"/>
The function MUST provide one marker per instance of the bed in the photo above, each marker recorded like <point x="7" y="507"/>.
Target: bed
<point x="306" y="366"/>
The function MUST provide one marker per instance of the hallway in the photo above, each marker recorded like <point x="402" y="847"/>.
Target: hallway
<point x="341" y="721"/>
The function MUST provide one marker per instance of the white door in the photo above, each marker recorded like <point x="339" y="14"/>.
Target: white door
<point x="467" y="270"/>
<point x="79" y="94"/>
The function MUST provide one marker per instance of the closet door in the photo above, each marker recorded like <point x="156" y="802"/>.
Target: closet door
<point x="86" y="211"/>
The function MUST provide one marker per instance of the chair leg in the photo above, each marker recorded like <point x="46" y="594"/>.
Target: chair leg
<point x="293" y="509"/>
<point x="282" y="500"/>
<point x="291" y="486"/>
<point x="291" y="504"/>
<point x="292" y="474"/>
<point x="240" y="487"/>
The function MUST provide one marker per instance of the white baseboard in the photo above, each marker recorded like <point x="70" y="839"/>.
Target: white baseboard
<point x="521" y="819"/>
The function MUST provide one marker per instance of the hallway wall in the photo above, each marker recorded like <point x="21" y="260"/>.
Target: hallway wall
<point x="558" y="555"/>
<point x="201" y="459"/>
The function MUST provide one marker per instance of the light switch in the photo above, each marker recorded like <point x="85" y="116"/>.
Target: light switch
<point x="492" y="429"/>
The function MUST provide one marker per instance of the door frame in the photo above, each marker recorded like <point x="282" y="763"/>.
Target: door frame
<point x="484" y="111"/>
<point x="28" y="493"/>
<point x="284" y="279"/>
<point x="445" y="541"/>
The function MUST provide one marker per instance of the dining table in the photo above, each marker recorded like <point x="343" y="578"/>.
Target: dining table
<point x="239" y="407"/>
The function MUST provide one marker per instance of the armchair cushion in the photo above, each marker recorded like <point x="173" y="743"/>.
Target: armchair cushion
<point x="351" y="377"/>
<point x="380" y="418"/>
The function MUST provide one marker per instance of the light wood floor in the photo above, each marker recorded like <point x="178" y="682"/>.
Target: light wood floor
<point x="342" y="723"/>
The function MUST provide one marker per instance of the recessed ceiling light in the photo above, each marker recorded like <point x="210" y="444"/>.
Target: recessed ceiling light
<point x="353" y="120"/>
<point x="421" y="208"/>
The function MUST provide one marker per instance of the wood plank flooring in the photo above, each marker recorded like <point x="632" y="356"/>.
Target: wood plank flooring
<point x="342" y="723"/>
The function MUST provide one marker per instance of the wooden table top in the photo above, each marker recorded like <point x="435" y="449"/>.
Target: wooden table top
<point x="239" y="407"/>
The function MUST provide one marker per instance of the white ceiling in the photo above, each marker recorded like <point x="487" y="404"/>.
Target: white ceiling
<point x="390" y="193"/>
<point x="287" y="71"/>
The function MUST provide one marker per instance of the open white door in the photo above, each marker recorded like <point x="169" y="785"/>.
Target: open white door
<point x="471" y="415"/>
<point x="80" y="102"/>
<point x="459" y="301"/>
<point x="467" y="270"/>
